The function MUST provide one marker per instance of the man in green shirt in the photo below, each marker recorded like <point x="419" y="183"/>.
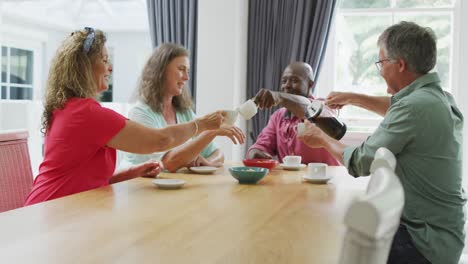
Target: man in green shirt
<point x="422" y="127"/>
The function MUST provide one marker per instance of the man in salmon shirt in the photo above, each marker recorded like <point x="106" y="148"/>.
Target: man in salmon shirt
<point x="278" y="138"/>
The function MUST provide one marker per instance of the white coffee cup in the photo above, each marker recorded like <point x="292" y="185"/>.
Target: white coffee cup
<point x="300" y="128"/>
<point x="248" y="109"/>
<point x="231" y="117"/>
<point x="292" y="160"/>
<point x="317" y="170"/>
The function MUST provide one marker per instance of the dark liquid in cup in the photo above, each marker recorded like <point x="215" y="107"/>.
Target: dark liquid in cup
<point x="331" y="126"/>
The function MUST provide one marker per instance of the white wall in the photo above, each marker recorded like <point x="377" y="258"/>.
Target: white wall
<point x="130" y="52"/>
<point x="222" y="56"/>
<point x="54" y="39"/>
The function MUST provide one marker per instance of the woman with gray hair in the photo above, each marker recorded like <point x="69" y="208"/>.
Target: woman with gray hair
<point x="422" y="126"/>
<point x="164" y="100"/>
<point x="81" y="136"/>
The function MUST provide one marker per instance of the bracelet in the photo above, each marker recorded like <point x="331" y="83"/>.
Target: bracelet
<point x="196" y="127"/>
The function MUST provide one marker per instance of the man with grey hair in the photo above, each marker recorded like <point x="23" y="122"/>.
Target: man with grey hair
<point x="422" y="126"/>
<point x="278" y="138"/>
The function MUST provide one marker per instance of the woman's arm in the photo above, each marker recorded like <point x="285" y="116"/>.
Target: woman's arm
<point x="140" y="139"/>
<point x="216" y="157"/>
<point x="217" y="160"/>
<point x="185" y="154"/>
<point x="146" y="169"/>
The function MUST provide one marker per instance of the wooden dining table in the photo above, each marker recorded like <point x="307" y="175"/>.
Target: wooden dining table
<point x="211" y="219"/>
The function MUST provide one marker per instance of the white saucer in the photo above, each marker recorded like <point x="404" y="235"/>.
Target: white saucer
<point x="292" y="167"/>
<point x="169" y="183"/>
<point x="203" y="169"/>
<point x="316" y="180"/>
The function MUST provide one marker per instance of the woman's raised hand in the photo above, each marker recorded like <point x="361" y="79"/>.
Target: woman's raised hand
<point x="234" y="133"/>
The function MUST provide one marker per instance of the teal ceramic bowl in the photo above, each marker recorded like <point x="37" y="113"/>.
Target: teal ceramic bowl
<point x="248" y="175"/>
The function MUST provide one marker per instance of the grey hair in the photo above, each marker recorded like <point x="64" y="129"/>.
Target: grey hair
<point x="412" y="43"/>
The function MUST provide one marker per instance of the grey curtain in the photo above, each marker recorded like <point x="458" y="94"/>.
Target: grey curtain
<point x="176" y="21"/>
<point x="280" y="32"/>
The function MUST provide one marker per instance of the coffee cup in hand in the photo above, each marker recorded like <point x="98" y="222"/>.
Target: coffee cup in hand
<point x="231" y="117"/>
<point x="248" y="109"/>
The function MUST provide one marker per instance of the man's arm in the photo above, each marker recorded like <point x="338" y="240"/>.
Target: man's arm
<point x="255" y="153"/>
<point x="314" y="137"/>
<point x="296" y="104"/>
<point x="376" y="104"/>
<point x="395" y="132"/>
<point x="265" y="146"/>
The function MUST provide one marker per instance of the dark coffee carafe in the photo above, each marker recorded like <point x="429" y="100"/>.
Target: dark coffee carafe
<point x="317" y="112"/>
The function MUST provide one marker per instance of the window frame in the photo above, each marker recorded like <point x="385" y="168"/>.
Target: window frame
<point x="18" y="42"/>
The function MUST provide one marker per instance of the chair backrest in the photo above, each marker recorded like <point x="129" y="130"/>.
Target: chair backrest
<point x="373" y="218"/>
<point x="15" y="169"/>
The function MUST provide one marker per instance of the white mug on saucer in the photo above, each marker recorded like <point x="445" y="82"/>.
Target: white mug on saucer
<point x="292" y="160"/>
<point x="231" y="117"/>
<point x="317" y="170"/>
<point x="248" y="109"/>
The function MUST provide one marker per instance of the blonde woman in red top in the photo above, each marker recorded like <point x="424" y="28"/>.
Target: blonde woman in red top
<point x="81" y="136"/>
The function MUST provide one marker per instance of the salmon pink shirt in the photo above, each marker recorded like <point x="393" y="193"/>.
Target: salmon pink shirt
<point x="76" y="157"/>
<point x="279" y="138"/>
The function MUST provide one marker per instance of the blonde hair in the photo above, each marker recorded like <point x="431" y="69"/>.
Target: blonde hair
<point x="151" y="87"/>
<point x="71" y="73"/>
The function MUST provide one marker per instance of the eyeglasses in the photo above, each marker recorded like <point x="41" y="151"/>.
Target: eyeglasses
<point x="379" y="63"/>
<point x="89" y="40"/>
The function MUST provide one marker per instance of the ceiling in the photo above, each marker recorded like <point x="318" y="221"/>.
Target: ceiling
<point x="108" y="15"/>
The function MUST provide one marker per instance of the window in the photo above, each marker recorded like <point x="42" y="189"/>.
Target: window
<point x="17" y="73"/>
<point x="358" y="25"/>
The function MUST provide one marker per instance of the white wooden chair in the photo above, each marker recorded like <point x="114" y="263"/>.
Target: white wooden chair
<point x="373" y="218"/>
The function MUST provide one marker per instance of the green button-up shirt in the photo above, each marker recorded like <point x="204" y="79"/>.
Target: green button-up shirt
<point x="423" y="129"/>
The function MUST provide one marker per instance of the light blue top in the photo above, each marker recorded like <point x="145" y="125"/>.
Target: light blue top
<point x="144" y="115"/>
